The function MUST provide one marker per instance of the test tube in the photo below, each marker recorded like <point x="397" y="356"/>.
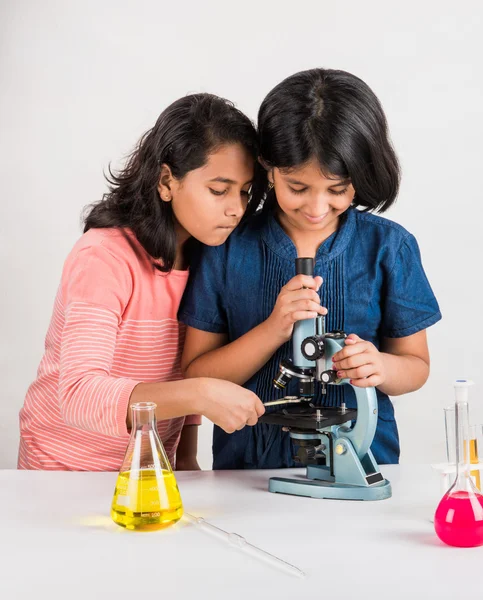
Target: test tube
<point x="475" y="433"/>
<point x="475" y="448"/>
<point x="449" y="426"/>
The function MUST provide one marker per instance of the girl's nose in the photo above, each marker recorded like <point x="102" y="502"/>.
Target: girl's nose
<point x="320" y="204"/>
<point x="236" y="206"/>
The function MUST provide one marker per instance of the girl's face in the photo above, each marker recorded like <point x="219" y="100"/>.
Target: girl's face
<point x="308" y="200"/>
<point x="209" y="202"/>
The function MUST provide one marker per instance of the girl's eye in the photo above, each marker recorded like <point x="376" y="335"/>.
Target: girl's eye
<point x="336" y="193"/>
<point x="333" y="192"/>
<point x="216" y="192"/>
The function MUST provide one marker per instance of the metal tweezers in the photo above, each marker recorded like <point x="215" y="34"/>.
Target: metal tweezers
<point x="286" y="400"/>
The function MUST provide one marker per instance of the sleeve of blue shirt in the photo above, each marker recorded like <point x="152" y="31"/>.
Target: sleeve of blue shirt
<point x="202" y="304"/>
<point x="409" y="303"/>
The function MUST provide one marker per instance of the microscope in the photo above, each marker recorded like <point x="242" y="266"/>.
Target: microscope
<point x="333" y="442"/>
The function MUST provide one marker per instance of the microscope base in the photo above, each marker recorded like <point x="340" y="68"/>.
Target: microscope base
<point x="329" y="490"/>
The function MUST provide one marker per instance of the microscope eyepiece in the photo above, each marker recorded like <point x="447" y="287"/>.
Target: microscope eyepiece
<point x="304" y="266"/>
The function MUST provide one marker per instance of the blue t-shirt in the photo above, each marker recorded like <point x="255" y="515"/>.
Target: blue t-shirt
<point x="374" y="286"/>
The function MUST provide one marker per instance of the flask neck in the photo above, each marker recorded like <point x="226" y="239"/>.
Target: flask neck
<point x="143" y="416"/>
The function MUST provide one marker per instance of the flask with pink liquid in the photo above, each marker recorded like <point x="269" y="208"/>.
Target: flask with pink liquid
<point x="458" y="520"/>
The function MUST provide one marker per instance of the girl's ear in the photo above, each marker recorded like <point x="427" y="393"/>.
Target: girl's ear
<point x="165" y="183"/>
<point x="268" y="169"/>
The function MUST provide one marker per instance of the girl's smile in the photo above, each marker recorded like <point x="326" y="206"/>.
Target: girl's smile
<point x="315" y="219"/>
<point x="310" y="203"/>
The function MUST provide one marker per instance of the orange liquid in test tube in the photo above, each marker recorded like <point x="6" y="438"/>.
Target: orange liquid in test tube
<point x="474" y="461"/>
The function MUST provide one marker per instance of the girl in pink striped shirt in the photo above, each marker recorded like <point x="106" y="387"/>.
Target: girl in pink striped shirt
<point x="114" y="338"/>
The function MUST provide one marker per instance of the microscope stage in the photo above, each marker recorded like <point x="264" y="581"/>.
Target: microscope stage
<point x="305" y="417"/>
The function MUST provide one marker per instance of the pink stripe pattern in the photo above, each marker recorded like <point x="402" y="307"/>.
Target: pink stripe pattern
<point x="113" y="326"/>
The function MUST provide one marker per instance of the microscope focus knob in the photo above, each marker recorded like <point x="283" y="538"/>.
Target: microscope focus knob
<point x="328" y="376"/>
<point x="340" y="449"/>
<point x="305" y="454"/>
<point x="313" y="347"/>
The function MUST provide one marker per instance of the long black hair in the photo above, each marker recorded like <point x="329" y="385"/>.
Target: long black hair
<point x="335" y="118"/>
<point x="184" y="136"/>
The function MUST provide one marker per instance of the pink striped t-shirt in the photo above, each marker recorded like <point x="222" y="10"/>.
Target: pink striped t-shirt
<point x="113" y="326"/>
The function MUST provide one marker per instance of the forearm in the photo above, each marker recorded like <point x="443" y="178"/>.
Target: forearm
<point x="239" y="360"/>
<point x="404" y="374"/>
<point x="173" y="398"/>
<point x="187" y="449"/>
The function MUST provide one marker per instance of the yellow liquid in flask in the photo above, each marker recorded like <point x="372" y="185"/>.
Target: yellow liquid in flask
<point x="144" y="501"/>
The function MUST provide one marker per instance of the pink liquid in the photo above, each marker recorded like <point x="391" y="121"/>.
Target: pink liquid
<point x="459" y="520"/>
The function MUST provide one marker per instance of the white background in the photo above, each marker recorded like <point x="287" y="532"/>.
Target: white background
<point x="80" y="82"/>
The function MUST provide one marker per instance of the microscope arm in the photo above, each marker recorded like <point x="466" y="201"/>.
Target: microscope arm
<point x="362" y="434"/>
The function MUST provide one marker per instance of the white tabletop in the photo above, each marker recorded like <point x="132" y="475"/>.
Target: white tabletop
<point x="57" y="542"/>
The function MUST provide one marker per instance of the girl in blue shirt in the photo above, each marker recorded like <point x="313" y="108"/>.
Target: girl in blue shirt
<point x="329" y="164"/>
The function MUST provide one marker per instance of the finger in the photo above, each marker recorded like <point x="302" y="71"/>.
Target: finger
<point x="352" y="337"/>
<point x="372" y="381"/>
<point x="260" y="409"/>
<point x="303" y="294"/>
<point x="252" y="421"/>
<point x="357" y="373"/>
<point x="303" y="281"/>
<point x="305" y="304"/>
<point x="347" y="351"/>
<point x="350" y="340"/>
<point x="352" y="362"/>
<point x="301" y="315"/>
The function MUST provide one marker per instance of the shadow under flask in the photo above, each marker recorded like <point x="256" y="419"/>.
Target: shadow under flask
<point x="458" y="520"/>
<point x="146" y="495"/>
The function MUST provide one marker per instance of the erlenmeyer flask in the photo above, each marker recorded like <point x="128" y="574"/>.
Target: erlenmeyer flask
<point x="458" y="520"/>
<point x="146" y="495"/>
